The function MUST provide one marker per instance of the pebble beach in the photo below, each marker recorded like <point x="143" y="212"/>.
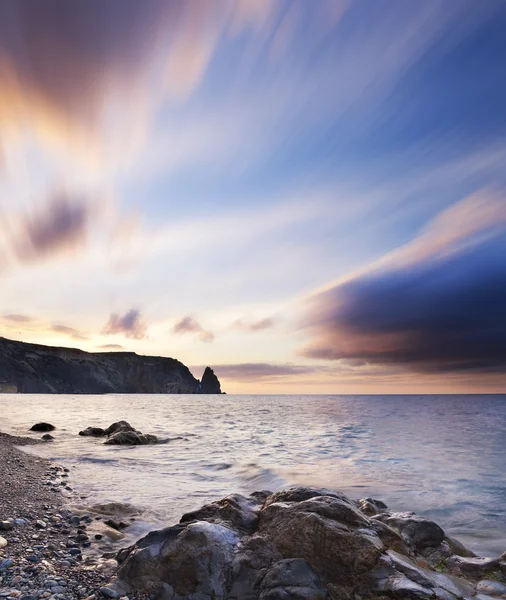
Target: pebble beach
<point x="42" y="542"/>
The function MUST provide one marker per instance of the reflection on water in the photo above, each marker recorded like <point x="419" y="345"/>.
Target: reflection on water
<point x="442" y="456"/>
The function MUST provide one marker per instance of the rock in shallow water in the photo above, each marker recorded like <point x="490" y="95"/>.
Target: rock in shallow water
<point x="131" y="438"/>
<point x="42" y="427"/>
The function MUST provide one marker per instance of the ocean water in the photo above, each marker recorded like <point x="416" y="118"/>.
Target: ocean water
<point x="440" y="456"/>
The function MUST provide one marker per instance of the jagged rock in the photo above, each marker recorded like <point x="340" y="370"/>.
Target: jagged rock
<point x="327" y="532"/>
<point x="42" y="427"/>
<point x="492" y="588"/>
<point x="299" y="544"/>
<point x="234" y="511"/>
<point x="370" y="507"/>
<point x="472" y="568"/>
<point x="210" y="384"/>
<point x="93" y="432"/>
<point x="292" y="578"/>
<point x="192" y="561"/>
<point x="458" y="548"/>
<point x="416" y="531"/>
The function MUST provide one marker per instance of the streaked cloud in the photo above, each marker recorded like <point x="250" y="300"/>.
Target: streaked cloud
<point x="188" y="324"/>
<point x="130" y="324"/>
<point x="434" y="305"/>
<point x="253" y="326"/>
<point x="61" y="224"/>
<point x="111" y="347"/>
<point x="260" y="371"/>
<point x="16" y="318"/>
<point x="69" y="331"/>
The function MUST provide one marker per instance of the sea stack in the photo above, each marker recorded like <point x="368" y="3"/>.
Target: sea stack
<point x="210" y="384"/>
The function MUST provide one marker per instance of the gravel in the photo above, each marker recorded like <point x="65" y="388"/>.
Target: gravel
<point x="44" y="556"/>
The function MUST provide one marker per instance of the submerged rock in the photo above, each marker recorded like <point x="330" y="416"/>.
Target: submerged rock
<point x="42" y="427"/>
<point x="92" y="432"/>
<point x="131" y="438"/>
<point x="47" y="437"/>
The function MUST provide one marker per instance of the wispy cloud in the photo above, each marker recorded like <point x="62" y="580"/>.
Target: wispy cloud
<point x="130" y="324"/>
<point x="433" y="305"/>
<point x="15" y="318"/>
<point x="111" y="347"/>
<point x="253" y="326"/>
<point x="70" y="331"/>
<point x="261" y="371"/>
<point x="190" y="325"/>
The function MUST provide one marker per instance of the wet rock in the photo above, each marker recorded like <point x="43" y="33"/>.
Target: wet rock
<point x="327" y="532"/>
<point x="456" y="547"/>
<point x="492" y="588"/>
<point x="42" y="427"/>
<point x="472" y="568"/>
<point x="302" y="543"/>
<point x="108" y="592"/>
<point x="292" y="578"/>
<point x="193" y="560"/>
<point x="47" y="437"/>
<point x="416" y="531"/>
<point x="370" y="507"/>
<point x="298" y="494"/>
<point x="115" y="525"/>
<point x="6" y="525"/>
<point x="118" y="426"/>
<point x="131" y="438"/>
<point x="93" y="432"/>
<point x="236" y="511"/>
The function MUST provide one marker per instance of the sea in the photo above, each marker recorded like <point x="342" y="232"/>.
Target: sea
<point x="440" y="456"/>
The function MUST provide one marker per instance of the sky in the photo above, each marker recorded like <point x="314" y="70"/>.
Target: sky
<point x="307" y="196"/>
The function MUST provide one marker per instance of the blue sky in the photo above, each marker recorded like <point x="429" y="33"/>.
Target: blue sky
<point x="229" y="185"/>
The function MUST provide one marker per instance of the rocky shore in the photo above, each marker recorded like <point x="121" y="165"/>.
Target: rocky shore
<point x="42" y="543"/>
<point x="301" y="544"/>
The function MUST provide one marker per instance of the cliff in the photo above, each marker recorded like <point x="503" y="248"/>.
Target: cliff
<point x="33" y="368"/>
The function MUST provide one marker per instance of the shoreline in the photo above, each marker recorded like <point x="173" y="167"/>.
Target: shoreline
<point x="263" y="546"/>
<point x="44" y="542"/>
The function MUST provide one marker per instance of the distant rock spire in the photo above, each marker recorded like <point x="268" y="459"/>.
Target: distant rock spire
<point x="210" y="384"/>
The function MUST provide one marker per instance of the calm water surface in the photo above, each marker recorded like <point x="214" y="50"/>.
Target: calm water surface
<point x="442" y="456"/>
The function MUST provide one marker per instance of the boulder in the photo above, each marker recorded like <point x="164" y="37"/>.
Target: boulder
<point x="47" y="437"/>
<point x="328" y="532"/>
<point x="234" y="511"/>
<point x="93" y="432"/>
<point x="302" y="544"/>
<point x="416" y="531"/>
<point x="118" y="426"/>
<point x="185" y="561"/>
<point x="42" y="427"/>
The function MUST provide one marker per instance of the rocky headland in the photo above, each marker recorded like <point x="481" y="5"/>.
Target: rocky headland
<point x="38" y="369"/>
<point x="301" y="544"/>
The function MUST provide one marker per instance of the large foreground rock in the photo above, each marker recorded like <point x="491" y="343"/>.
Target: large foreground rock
<point x="304" y="544"/>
